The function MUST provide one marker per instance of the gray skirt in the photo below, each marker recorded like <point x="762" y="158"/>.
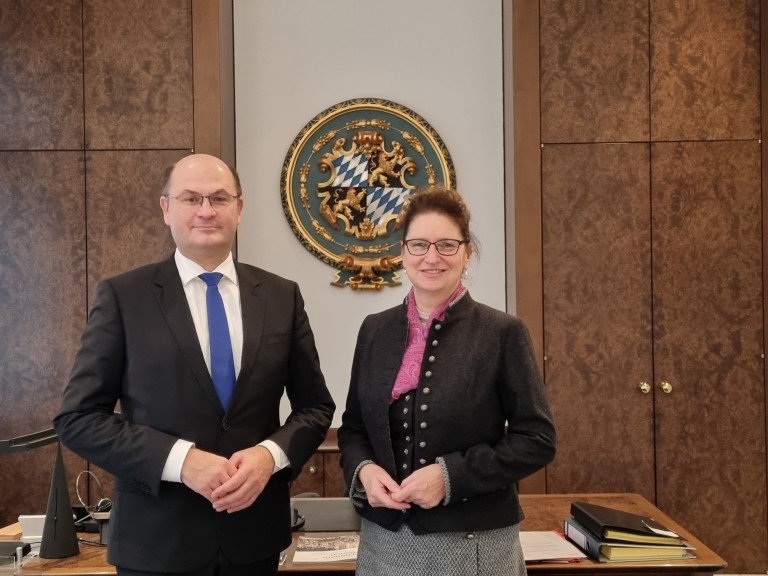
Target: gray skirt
<point x="403" y="553"/>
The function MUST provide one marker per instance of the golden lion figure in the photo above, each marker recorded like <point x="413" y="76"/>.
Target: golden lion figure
<point x="387" y="167"/>
<point x="352" y="201"/>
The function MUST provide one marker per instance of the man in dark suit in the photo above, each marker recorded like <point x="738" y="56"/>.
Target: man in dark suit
<point x="201" y="480"/>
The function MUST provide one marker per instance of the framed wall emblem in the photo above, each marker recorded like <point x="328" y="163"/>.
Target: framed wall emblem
<point x="346" y="181"/>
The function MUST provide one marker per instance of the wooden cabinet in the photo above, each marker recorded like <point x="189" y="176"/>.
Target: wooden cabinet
<point x="652" y="283"/>
<point x="598" y="317"/>
<point x="653" y="332"/>
<point x="322" y="474"/>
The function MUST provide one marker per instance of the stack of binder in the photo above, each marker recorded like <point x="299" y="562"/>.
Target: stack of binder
<point x="611" y="535"/>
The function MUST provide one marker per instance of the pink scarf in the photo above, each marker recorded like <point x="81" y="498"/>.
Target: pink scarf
<point x="408" y="376"/>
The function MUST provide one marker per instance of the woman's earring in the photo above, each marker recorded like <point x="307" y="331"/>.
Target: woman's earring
<point x="464" y="274"/>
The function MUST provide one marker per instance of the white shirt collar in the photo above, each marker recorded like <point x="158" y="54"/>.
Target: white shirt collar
<point x="189" y="269"/>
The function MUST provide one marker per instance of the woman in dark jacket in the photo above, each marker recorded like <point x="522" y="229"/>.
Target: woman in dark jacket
<point x="446" y="412"/>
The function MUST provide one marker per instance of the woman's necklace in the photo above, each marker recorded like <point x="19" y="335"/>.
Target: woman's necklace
<point x="423" y="316"/>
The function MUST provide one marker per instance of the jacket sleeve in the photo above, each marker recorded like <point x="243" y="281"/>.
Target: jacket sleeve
<point x="312" y="406"/>
<point x="530" y="438"/>
<point x="87" y="422"/>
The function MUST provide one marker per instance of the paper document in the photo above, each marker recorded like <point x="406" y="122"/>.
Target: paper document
<point x="339" y="548"/>
<point x="548" y="546"/>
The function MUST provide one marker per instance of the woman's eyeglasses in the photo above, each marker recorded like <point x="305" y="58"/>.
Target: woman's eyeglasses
<point x="445" y="247"/>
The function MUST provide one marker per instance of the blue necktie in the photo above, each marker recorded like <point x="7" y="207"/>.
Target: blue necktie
<point x="222" y="362"/>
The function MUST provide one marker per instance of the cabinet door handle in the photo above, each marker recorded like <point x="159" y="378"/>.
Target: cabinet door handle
<point x="666" y="387"/>
<point x="645" y="387"/>
<point x="313" y="469"/>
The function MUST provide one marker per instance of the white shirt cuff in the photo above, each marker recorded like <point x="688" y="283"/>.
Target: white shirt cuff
<point x="281" y="459"/>
<point x="172" y="468"/>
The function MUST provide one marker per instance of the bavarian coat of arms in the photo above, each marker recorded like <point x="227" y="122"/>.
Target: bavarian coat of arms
<point x="346" y="181"/>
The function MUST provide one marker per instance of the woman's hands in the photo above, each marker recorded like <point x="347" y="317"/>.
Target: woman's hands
<point x="424" y="488"/>
<point x="379" y="487"/>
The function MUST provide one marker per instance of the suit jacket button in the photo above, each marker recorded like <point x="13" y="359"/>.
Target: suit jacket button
<point x="225" y="425"/>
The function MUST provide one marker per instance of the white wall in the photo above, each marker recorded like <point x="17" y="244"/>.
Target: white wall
<point x="440" y="58"/>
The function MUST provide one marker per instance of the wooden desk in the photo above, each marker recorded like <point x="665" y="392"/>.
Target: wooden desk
<point x="91" y="561"/>
<point x="547" y="511"/>
<point x="543" y="512"/>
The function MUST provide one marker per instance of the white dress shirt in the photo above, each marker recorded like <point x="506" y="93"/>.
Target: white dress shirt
<point x="195" y="289"/>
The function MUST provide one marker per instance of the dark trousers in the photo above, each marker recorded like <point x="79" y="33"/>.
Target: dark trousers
<point x="219" y="566"/>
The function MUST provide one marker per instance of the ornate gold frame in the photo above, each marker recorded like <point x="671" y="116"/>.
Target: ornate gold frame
<point x="346" y="180"/>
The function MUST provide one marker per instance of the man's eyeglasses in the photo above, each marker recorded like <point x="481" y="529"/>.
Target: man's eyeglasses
<point x="445" y="247"/>
<point x="196" y="200"/>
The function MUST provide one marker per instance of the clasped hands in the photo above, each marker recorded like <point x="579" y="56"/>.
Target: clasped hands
<point x="424" y="488"/>
<point x="230" y="484"/>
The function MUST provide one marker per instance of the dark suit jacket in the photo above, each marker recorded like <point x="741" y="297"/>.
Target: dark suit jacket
<point x="140" y="348"/>
<point x="481" y="406"/>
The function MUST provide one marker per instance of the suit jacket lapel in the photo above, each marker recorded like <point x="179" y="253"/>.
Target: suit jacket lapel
<point x="173" y="302"/>
<point x="252" y="305"/>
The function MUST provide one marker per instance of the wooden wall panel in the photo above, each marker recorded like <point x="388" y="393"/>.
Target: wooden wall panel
<point x="214" y="78"/>
<point x="705" y="70"/>
<point x="594" y="71"/>
<point x="123" y="203"/>
<point x="708" y="317"/>
<point x="138" y="74"/>
<point x="42" y="264"/>
<point x="41" y="78"/>
<point x="125" y="230"/>
<point x="334" y="484"/>
<point x="597" y="316"/>
<point x="122" y="73"/>
<point x="703" y="101"/>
